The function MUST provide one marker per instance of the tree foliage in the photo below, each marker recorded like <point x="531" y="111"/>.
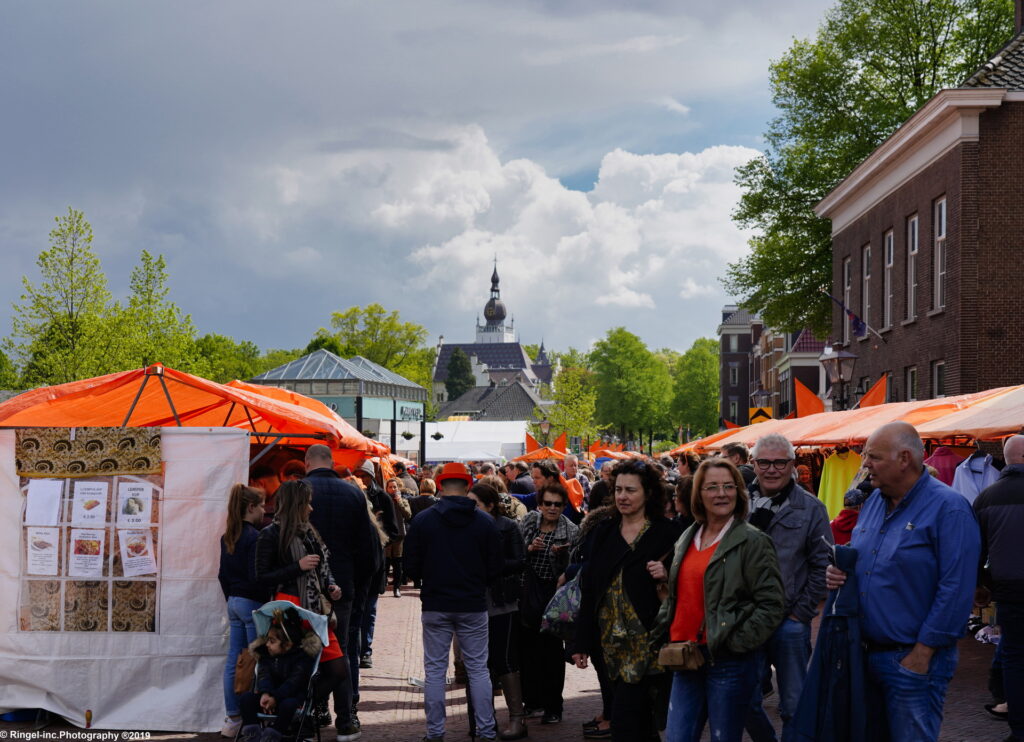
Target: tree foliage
<point x="227" y="359"/>
<point x="695" y="388"/>
<point x="460" y="377"/>
<point x="64" y="328"/>
<point x="633" y="386"/>
<point x="574" y="404"/>
<point x="872" y="64"/>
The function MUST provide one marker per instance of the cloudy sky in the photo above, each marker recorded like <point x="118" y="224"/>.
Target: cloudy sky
<point x="294" y="159"/>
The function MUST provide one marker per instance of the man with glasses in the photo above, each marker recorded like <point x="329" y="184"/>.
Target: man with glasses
<point x="797" y="523"/>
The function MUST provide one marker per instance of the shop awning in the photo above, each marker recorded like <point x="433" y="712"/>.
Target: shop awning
<point x="163" y="397"/>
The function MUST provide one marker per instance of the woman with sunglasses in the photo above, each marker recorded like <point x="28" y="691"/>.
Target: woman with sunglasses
<point x="725" y="594"/>
<point x="619" y="600"/>
<point x="547" y="535"/>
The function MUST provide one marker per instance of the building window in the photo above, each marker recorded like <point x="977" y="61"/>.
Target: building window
<point x="734" y="343"/>
<point x="734" y="374"/>
<point x="847" y="290"/>
<point x="910" y="378"/>
<point x="912" y="267"/>
<point x="734" y="410"/>
<point x="938" y="378"/>
<point x="865" y="288"/>
<point x="887" y="293"/>
<point x="939" y="256"/>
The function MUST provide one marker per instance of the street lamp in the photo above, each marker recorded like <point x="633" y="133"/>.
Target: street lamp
<point x="839" y="367"/>
<point x="545" y="428"/>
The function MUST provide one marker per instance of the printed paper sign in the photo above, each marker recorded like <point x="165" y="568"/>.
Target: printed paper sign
<point x="85" y="558"/>
<point x="43" y="506"/>
<point x="137" y="557"/>
<point x="90" y="504"/>
<point x="43" y="547"/>
<point x="134" y="503"/>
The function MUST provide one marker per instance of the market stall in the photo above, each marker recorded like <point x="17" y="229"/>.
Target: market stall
<point x="112" y="500"/>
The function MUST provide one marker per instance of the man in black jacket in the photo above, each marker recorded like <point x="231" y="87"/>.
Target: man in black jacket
<point x="340" y="515"/>
<point x="1000" y="511"/>
<point x="455" y="549"/>
<point x="518" y="477"/>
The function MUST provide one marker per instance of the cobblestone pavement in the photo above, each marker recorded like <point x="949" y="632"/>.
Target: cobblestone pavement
<point x="391" y="706"/>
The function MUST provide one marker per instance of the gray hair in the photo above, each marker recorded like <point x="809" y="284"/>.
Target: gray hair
<point x="574" y="457"/>
<point x="773" y="440"/>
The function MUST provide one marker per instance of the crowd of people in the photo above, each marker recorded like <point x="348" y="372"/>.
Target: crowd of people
<point x="695" y="585"/>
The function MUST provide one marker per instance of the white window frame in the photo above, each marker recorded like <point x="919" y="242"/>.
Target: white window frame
<point x="888" y="250"/>
<point x="937" y="367"/>
<point x="910" y="382"/>
<point x="912" y="249"/>
<point x="939" y="256"/>
<point x="865" y="290"/>
<point x="847" y="290"/>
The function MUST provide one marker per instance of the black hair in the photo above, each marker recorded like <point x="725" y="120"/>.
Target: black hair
<point x="650" y="480"/>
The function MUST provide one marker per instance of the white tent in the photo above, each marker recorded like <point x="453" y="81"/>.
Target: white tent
<point x="475" y="440"/>
<point x="169" y="679"/>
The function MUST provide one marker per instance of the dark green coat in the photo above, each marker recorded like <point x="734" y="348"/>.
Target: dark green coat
<point x="744" y="599"/>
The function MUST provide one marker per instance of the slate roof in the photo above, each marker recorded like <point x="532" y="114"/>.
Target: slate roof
<point x="323" y="365"/>
<point x="495" y="356"/>
<point x="740" y="317"/>
<point x="1004" y="70"/>
<point x="807" y="343"/>
<point x="497" y="402"/>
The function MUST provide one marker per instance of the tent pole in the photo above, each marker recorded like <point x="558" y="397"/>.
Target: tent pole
<point x="265" y="451"/>
<point x="228" y="416"/>
<point x="169" y="400"/>
<point x="135" y="401"/>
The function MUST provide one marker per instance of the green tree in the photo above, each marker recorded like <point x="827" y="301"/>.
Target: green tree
<point x="9" y="378"/>
<point x="154" y="329"/>
<point x="460" y="374"/>
<point x="573" y="358"/>
<point x="695" y="388"/>
<point x="277" y="357"/>
<point x="633" y="386"/>
<point x="872" y="64"/>
<point x="226" y="359"/>
<point x="326" y="341"/>
<point x="574" y="405"/>
<point x="64" y="328"/>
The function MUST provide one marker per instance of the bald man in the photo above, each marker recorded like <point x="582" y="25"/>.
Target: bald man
<point x="1000" y="511"/>
<point x="918" y="546"/>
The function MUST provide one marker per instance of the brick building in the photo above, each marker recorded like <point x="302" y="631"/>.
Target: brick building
<point x="777" y="361"/>
<point x="928" y="241"/>
<point x="737" y="336"/>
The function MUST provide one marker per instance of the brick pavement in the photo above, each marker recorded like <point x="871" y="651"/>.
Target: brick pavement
<point x="391" y="708"/>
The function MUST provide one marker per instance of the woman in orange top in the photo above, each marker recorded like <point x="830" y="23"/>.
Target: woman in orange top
<point x="725" y="594"/>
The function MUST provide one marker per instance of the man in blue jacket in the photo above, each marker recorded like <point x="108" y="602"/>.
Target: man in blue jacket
<point x="918" y="546"/>
<point x="455" y="549"/>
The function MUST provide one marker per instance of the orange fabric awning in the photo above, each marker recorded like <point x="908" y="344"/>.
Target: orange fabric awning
<point x="995" y="416"/>
<point x="541" y="454"/>
<point x="807" y="402"/>
<point x="105" y="401"/>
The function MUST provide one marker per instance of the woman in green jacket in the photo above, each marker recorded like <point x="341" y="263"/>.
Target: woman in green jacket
<point x="725" y="593"/>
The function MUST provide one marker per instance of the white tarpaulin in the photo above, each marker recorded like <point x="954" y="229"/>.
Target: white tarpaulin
<point x="170" y="680"/>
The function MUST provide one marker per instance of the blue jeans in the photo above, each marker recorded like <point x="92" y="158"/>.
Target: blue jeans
<point x="789" y="650"/>
<point x="369" y="623"/>
<point x="716" y="693"/>
<point x="471" y="628"/>
<point x="243" y="633"/>
<point x="1010" y="617"/>
<point x="909" y="704"/>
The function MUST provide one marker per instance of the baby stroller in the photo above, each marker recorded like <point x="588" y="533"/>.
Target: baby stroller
<point x="305" y="721"/>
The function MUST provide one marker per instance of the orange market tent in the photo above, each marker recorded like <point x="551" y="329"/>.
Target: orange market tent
<point x="162" y="397"/>
<point x="541" y="454"/>
<point x="990" y="413"/>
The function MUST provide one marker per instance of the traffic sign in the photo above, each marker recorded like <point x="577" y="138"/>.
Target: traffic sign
<point x="760" y="414"/>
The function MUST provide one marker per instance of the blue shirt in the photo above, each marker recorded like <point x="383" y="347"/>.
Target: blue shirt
<point x="917" y="566"/>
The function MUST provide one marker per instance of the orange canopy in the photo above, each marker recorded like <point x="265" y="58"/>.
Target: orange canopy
<point x="162" y="397"/>
<point x="541" y="454"/>
<point x="996" y="416"/>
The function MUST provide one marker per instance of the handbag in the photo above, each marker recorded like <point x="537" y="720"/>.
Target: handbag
<point x="245" y="671"/>
<point x="681" y="656"/>
<point x="563" y="610"/>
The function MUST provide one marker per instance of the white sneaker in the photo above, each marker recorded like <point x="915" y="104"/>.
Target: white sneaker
<point x="231" y="727"/>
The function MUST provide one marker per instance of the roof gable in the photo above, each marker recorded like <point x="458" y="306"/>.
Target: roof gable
<point x="495" y="402"/>
<point x="1004" y="70"/>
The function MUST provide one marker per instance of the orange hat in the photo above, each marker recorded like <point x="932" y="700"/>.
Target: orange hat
<point x="455" y="470"/>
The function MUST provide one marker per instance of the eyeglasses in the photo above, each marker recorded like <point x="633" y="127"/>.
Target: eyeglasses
<point x="714" y="489"/>
<point x="769" y="463"/>
<point x="549" y="504"/>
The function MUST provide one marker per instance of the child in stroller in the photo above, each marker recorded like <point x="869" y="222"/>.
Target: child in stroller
<point x="287" y="658"/>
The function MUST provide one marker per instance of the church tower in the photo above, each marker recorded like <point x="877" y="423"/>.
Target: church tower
<point x="494" y="329"/>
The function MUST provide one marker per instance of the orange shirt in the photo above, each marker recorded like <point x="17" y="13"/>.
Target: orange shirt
<point x="690" y="595"/>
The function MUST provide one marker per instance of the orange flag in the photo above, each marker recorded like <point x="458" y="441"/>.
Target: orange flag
<point x="531" y="443"/>
<point x="595" y="446"/>
<point x="559" y="444"/>
<point x="790" y="416"/>
<point x="807" y="402"/>
<point x="729" y="425"/>
<point x="875" y="395"/>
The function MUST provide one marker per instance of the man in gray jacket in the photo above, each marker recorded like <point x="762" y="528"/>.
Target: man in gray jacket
<point x="797" y="523"/>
